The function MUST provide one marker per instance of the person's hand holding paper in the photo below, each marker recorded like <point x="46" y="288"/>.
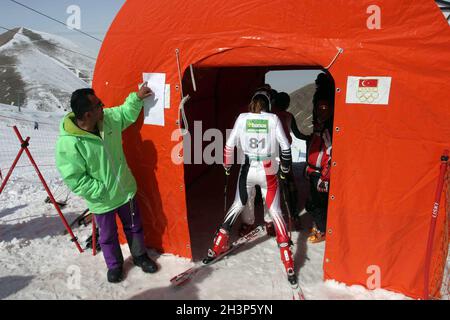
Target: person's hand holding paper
<point x="144" y="91"/>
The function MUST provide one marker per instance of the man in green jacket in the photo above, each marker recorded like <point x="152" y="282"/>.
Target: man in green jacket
<point x="90" y="158"/>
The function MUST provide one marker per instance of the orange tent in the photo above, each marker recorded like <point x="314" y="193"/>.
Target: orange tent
<point x="386" y="156"/>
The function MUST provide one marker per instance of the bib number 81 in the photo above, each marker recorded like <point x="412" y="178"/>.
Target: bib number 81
<point x="255" y="143"/>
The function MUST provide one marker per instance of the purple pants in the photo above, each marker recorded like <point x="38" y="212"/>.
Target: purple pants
<point x="109" y="239"/>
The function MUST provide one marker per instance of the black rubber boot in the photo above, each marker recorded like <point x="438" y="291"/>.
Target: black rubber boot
<point x="147" y="265"/>
<point x="115" y="275"/>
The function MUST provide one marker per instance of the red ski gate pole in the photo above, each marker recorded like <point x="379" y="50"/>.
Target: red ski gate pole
<point x="50" y="195"/>
<point x="14" y="164"/>
<point x="434" y="215"/>
<point x="94" y="235"/>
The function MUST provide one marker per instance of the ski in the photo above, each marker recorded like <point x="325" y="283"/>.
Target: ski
<point x="82" y="219"/>
<point x="185" y="276"/>
<point x="61" y="204"/>
<point x="297" y="292"/>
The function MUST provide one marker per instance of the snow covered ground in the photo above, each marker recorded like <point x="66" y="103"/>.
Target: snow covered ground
<point x="38" y="262"/>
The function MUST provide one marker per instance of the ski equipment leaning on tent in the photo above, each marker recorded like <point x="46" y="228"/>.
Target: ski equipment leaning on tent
<point x="258" y="134"/>
<point x="90" y="158"/>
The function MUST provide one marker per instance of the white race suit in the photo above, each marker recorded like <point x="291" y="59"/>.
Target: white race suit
<point x="258" y="137"/>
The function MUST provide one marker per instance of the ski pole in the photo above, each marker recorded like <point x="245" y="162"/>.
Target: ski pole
<point x="283" y="188"/>
<point x="227" y="174"/>
<point x="94" y="236"/>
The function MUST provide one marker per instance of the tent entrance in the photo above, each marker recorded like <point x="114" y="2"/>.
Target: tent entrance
<point x="221" y="95"/>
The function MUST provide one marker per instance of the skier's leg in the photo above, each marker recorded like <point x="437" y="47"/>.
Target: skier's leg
<point x="221" y="238"/>
<point x="318" y="210"/>
<point x="109" y="241"/>
<point x="322" y="211"/>
<point x="315" y="200"/>
<point x="243" y="190"/>
<point x="248" y="216"/>
<point x="268" y="221"/>
<point x="271" y="193"/>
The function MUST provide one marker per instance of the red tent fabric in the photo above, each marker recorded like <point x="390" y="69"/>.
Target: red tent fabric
<point x="386" y="156"/>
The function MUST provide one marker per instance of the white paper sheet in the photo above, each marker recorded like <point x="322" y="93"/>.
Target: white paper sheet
<point x="167" y="97"/>
<point x="154" y="105"/>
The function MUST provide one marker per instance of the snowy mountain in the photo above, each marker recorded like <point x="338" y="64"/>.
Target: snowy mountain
<point x="301" y="107"/>
<point x="39" y="70"/>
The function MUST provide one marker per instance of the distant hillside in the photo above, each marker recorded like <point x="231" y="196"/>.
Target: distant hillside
<point x="39" y="71"/>
<point x="301" y="107"/>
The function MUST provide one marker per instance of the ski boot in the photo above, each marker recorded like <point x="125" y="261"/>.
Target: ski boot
<point x="316" y="236"/>
<point x="288" y="262"/>
<point x="220" y="245"/>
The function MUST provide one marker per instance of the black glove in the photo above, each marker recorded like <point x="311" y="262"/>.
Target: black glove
<point x="322" y="186"/>
<point x="286" y="162"/>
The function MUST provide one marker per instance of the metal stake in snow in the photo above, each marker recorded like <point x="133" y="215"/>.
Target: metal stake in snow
<point x="24" y="147"/>
<point x="434" y="215"/>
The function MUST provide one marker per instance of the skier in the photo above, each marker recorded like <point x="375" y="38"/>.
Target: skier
<point x="258" y="133"/>
<point x="248" y="213"/>
<point x="90" y="158"/>
<point x="319" y="156"/>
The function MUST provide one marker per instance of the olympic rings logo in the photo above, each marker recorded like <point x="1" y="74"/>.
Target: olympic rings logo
<point x="367" y="94"/>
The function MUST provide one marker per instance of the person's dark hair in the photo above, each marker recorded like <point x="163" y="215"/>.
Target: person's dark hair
<point x="282" y="101"/>
<point x="259" y="103"/>
<point x="322" y="80"/>
<point x="324" y="91"/>
<point x="267" y="89"/>
<point x="264" y="87"/>
<point x="80" y="103"/>
<point x="273" y="93"/>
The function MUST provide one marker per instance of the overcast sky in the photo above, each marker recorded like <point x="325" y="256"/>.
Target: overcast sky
<point x="96" y="17"/>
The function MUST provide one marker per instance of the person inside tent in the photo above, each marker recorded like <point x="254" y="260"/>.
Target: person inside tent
<point x="248" y="213"/>
<point x="280" y="106"/>
<point x="258" y="134"/>
<point x="91" y="161"/>
<point x="280" y="102"/>
<point x="319" y="156"/>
